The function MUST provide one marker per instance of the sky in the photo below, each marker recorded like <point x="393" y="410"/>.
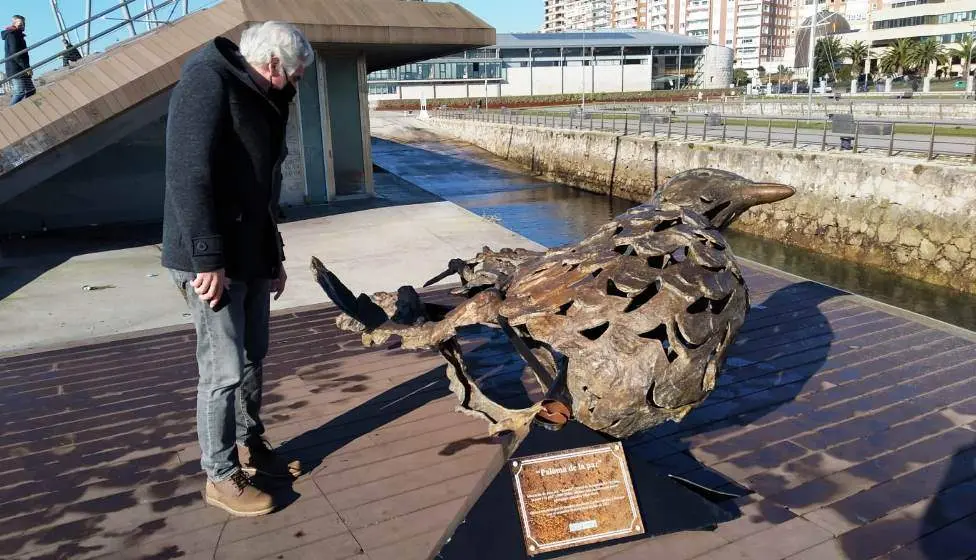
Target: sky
<point x="507" y="16"/>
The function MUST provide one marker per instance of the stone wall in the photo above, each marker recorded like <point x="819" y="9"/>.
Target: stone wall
<point x="913" y="218"/>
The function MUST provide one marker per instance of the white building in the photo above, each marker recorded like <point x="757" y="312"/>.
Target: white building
<point x="564" y="15"/>
<point x="561" y="63"/>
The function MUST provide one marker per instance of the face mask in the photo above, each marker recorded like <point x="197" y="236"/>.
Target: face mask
<point x="283" y="96"/>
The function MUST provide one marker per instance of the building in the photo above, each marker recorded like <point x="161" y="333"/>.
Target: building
<point x="561" y="63"/>
<point x="945" y="21"/>
<point x="584" y="15"/>
<point x="757" y="30"/>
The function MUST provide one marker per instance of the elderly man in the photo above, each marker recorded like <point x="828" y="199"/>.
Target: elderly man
<point x="224" y="140"/>
<point x="19" y="66"/>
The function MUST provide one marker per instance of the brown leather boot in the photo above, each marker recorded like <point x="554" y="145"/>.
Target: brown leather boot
<point x="258" y="457"/>
<point x="237" y="496"/>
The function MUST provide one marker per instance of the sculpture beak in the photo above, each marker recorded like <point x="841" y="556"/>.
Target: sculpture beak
<point x="765" y="193"/>
<point x="438" y="278"/>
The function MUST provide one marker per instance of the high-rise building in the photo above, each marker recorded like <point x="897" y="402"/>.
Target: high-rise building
<point x="564" y="15"/>
<point x="757" y="30"/>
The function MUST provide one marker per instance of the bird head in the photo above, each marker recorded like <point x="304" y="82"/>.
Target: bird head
<point x="720" y="196"/>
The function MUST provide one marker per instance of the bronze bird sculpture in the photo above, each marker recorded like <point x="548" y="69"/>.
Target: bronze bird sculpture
<point x="624" y="330"/>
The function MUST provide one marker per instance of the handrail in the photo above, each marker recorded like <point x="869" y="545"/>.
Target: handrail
<point x="124" y="4"/>
<point x="72" y="28"/>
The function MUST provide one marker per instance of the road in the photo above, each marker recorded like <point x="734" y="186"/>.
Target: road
<point x="778" y="136"/>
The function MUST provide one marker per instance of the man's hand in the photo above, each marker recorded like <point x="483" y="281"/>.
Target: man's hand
<point x="278" y="285"/>
<point x="210" y="286"/>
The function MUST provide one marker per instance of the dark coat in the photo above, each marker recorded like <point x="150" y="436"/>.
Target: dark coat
<point x="14" y="42"/>
<point x="224" y="140"/>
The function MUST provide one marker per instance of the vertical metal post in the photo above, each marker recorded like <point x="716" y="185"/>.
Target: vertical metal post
<point x="603" y="120"/>
<point x="973" y="161"/>
<point x="687" y="120"/>
<point x="669" y="126"/>
<point x="705" y="128"/>
<point x="88" y="18"/>
<point x="128" y="18"/>
<point x="823" y="140"/>
<point x="626" y="124"/>
<point x="796" y="131"/>
<point x="745" y="137"/>
<point x="725" y="128"/>
<point x="186" y="7"/>
<point x="932" y="142"/>
<point x="857" y="134"/>
<point x="769" y="132"/>
<point x="891" y="140"/>
<point x="640" y="125"/>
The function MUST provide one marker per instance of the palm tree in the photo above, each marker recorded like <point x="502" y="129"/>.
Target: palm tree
<point x="858" y="53"/>
<point x="965" y="53"/>
<point x="897" y="59"/>
<point x="925" y="53"/>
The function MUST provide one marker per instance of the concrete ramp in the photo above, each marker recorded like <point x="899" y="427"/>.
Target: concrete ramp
<point x="80" y="111"/>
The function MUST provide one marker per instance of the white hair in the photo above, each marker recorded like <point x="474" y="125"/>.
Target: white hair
<point x="262" y="41"/>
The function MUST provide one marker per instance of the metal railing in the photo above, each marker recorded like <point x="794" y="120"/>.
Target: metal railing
<point x="128" y="20"/>
<point x="932" y="140"/>
<point x="863" y="107"/>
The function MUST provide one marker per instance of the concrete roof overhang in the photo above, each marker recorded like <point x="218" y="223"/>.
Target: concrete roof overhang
<point x="105" y="86"/>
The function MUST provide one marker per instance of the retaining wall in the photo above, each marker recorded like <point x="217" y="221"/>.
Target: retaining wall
<point x="916" y="219"/>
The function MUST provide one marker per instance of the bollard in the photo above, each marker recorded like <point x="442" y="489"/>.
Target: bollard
<point x="640" y="125"/>
<point x="704" y="128"/>
<point x="891" y="140"/>
<point x="932" y="143"/>
<point x="823" y="140"/>
<point x="725" y="127"/>
<point x="745" y="137"/>
<point x="769" y="132"/>
<point x="796" y="131"/>
<point x="626" y="123"/>
<point x="857" y="127"/>
<point x="669" y="128"/>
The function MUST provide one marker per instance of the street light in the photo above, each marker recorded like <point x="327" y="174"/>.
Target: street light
<point x="810" y="62"/>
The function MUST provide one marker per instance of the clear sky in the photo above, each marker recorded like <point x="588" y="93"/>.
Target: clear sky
<point x="505" y="15"/>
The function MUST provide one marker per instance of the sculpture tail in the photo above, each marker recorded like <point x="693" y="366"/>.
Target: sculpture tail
<point x="359" y="308"/>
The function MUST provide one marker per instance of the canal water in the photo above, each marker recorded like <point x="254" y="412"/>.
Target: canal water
<point x="553" y="214"/>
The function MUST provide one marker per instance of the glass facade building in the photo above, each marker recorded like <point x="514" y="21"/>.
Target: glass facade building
<point x="537" y="63"/>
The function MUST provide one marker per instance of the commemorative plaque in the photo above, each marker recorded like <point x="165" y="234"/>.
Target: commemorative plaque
<point x="575" y="497"/>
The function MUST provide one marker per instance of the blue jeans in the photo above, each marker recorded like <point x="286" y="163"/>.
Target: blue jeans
<point x="231" y="345"/>
<point x="23" y="87"/>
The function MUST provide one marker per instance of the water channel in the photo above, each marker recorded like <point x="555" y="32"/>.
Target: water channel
<point x="554" y="214"/>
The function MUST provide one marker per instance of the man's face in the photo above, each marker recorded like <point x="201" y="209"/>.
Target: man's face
<point x="18" y="23"/>
<point x="280" y="78"/>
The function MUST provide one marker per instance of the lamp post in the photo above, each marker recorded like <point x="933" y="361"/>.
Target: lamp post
<point x="810" y="61"/>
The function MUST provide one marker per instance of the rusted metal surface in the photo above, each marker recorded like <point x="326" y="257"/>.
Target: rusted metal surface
<point x="636" y="319"/>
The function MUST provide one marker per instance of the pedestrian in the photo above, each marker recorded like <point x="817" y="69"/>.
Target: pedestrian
<point x="71" y="53"/>
<point x="224" y="141"/>
<point x="18" y="67"/>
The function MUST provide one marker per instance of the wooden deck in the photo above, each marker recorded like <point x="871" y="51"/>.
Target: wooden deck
<point x="855" y="427"/>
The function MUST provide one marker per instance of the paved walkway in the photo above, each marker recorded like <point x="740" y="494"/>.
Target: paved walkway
<point x="855" y="427"/>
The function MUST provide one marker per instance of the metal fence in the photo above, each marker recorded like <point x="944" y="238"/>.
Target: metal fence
<point x="843" y="133"/>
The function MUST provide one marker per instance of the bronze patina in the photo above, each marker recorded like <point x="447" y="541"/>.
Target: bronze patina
<point x="624" y="330"/>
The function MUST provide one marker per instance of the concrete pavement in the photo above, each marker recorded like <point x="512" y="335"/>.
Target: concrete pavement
<point x="377" y="245"/>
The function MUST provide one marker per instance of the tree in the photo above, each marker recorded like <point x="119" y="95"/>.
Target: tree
<point x="858" y="53"/>
<point x="925" y="53"/>
<point x="897" y="59"/>
<point x="829" y="51"/>
<point x="781" y="71"/>
<point x="740" y="77"/>
<point x="965" y="53"/>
